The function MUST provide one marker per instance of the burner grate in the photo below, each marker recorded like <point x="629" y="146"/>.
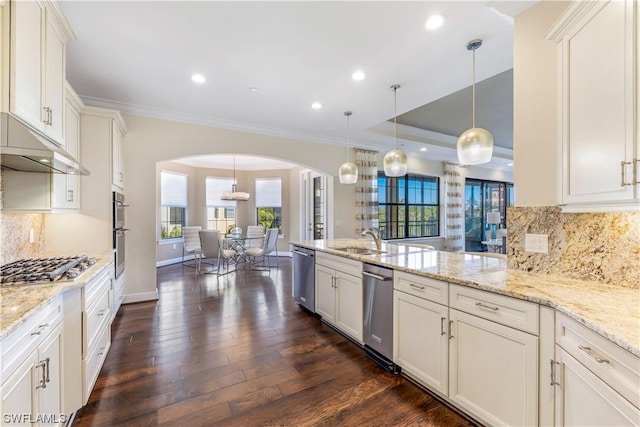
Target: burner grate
<point x="44" y="270"/>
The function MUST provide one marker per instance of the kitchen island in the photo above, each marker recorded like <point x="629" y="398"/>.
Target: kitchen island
<point x="507" y="347"/>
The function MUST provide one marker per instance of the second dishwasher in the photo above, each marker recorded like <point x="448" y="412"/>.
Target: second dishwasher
<point x="378" y="315"/>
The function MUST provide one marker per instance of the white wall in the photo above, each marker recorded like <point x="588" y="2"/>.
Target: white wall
<point x="535" y="109"/>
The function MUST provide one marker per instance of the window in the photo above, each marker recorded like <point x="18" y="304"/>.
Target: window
<point x="221" y="214"/>
<point x="173" y="204"/>
<point x="269" y="202"/>
<point x="483" y="196"/>
<point x="408" y="206"/>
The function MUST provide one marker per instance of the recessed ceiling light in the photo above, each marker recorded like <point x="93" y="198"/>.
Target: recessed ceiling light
<point x="434" y="21"/>
<point x="358" y="75"/>
<point x="253" y="89"/>
<point x="423" y="149"/>
<point x="198" y="78"/>
<point x="316" y="106"/>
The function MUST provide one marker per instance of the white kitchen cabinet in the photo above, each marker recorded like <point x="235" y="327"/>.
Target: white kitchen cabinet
<point x="66" y="194"/>
<point x="596" y="381"/>
<point x="339" y="293"/>
<point x="117" y="159"/>
<point x="420" y="340"/>
<point x="597" y="57"/>
<point x="583" y="399"/>
<point x="31" y="387"/>
<point x="493" y="371"/>
<point x="39" y="33"/>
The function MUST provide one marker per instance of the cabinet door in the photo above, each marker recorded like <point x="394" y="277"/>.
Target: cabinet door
<point x="583" y="399"/>
<point x="116" y="154"/>
<point x="493" y="371"/>
<point x="349" y="304"/>
<point x="325" y="293"/>
<point x="54" y="81"/>
<point x="65" y="187"/>
<point x="421" y="343"/>
<point x="50" y="353"/>
<point x="18" y="392"/>
<point x="26" y="57"/>
<point x="598" y="103"/>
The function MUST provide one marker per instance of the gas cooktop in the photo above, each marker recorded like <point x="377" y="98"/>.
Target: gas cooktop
<point x="44" y="270"/>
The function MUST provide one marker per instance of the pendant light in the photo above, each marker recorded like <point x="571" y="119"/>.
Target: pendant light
<point x="395" y="161"/>
<point x="234" y="194"/>
<point x="475" y="145"/>
<point x="348" y="172"/>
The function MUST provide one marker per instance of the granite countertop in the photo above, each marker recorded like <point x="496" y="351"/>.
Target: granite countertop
<point x="611" y="311"/>
<point x="17" y="303"/>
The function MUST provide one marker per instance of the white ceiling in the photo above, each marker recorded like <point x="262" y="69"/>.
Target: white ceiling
<point x="241" y="162"/>
<point x="138" y="57"/>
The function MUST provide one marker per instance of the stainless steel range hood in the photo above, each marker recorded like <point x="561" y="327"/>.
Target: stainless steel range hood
<point x="27" y="150"/>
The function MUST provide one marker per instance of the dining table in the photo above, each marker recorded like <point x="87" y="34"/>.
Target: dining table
<point x="238" y="243"/>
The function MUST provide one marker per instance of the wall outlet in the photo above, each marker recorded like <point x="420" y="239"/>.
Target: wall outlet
<point x="538" y="243"/>
<point x="32" y="236"/>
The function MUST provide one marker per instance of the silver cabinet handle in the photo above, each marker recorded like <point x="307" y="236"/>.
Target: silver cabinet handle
<point x="553" y="374"/>
<point x="450" y="327"/>
<point x="442" y="332"/>
<point x="413" y="285"/>
<point x="101" y="313"/>
<point x="591" y="353"/>
<point x="486" y="307"/>
<point x="48" y="378"/>
<point x="50" y="117"/>
<point x="43" y="381"/>
<point x="623" y="175"/>
<point x="70" y="196"/>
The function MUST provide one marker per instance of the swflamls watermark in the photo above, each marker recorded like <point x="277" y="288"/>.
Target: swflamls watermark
<point x="27" y="417"/>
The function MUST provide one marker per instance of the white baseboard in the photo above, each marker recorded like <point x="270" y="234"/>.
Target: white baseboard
<point x="144" y="296"/>
<point x="173" y="261"/>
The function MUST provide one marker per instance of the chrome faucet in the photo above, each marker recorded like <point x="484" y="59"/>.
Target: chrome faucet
<point x="375" y="234"/>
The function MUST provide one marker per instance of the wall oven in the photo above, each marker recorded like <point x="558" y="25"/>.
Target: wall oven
<point x="119" y="231"/>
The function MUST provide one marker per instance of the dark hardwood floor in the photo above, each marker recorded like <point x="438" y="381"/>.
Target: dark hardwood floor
<point x="236" y="350"/>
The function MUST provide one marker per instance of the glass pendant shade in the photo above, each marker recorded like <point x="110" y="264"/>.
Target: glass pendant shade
<point x="475" y="145"/>
<point x="395" y="163"/>
<point x="234" y="194"/>
<point x="348" y="173"/>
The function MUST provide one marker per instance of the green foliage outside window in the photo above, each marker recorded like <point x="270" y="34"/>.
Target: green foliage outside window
<point x="269" y="217"/>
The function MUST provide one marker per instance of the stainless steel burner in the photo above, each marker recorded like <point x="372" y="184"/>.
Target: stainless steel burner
<point x="44" y="270"/>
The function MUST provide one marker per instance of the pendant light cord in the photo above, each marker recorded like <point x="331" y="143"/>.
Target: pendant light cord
<point x="395" y="115"/>
<point x="348" y="134"/>
<point x="473" y="90"/>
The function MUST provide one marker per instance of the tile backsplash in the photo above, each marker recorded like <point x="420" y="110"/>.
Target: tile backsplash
<point x="602" y="247"/>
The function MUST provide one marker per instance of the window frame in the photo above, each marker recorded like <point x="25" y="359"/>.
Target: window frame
<point x="169" y="202"/>
<point x="277" y="210"/>
<point x="403" y="207"/>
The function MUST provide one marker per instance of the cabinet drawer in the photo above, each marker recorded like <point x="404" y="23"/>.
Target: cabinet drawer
<point x="21" y="342"/>
<point x="346" y="265"/>
<point x="616" y="366"/>
<point x="94" y="288"/>
<point x="505" y="310"/>
<point x="94" y="319"/>
<point x="94" y="361"/>
<point x="423" y="287"/>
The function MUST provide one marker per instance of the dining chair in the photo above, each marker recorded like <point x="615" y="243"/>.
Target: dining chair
<point x="191" y="243"/>
<point x="212" y="248"/>
<point x="254" y="232"/>
<point x="268" y="247"/>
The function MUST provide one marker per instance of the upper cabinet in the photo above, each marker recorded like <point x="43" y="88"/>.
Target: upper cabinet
<point x="598" y="89"/>
<point x="39" y="33"/>
<point x="117" y="157"/>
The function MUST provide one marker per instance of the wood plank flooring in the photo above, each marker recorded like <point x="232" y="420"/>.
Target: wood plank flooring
<point x="236" y="350"/>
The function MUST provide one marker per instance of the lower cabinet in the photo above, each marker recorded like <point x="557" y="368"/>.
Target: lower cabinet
<point x="339" y="293"/>
<point x="493" y="371"/>
<point x="596" y="382"/>
<point x="488" y="368"/>
<point x="31" y="393"/>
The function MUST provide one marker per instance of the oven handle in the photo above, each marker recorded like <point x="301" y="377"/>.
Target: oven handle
<point x="121" y="230"/>
<point x="121" y="205"/>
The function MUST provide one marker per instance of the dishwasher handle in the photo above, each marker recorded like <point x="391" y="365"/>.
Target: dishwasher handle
<point x="302" y="253"/>
<point x="376" y="276"/>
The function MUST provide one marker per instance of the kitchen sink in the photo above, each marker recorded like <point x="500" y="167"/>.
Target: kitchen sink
<point x="359" y="251"/>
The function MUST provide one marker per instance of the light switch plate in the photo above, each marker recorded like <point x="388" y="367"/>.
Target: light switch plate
<point x="537" y="243"/>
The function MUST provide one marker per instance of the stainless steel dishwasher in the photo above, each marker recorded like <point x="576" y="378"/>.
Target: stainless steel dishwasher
<point x="304" y="284"/>
<point x="378" y="315"/>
